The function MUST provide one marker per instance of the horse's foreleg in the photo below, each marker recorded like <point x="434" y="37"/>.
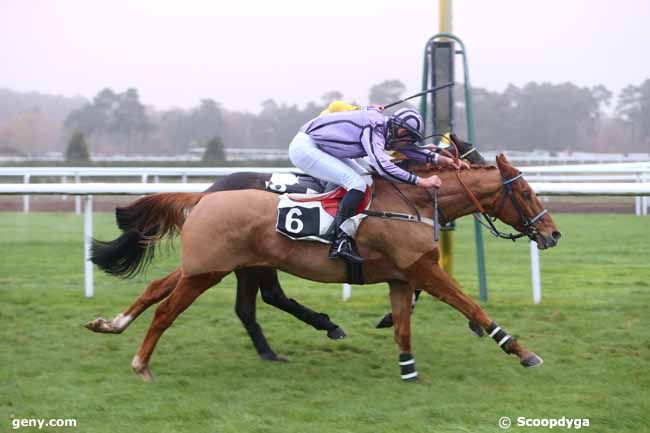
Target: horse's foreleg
<point x="185" y="293"/>
<point x="401" y="297"/>
<point x="435" y="281"/>
<point x="273" y="294"/>
<point x="155" y="291"/>
<point x="245" y="306"/>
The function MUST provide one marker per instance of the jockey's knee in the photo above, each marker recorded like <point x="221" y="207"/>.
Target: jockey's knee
<point x="355" y="183"/>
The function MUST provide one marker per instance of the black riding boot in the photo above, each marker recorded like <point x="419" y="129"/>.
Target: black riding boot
<point x="342" y="245"/>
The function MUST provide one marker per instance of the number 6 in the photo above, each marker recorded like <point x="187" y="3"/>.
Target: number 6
<point x="292" y="222"/>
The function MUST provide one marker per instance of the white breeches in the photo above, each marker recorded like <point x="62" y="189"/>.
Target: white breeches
<point x="346" y="172"/>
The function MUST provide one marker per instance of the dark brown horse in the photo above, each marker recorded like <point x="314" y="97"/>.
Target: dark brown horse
<point x="252" y="280"/>
<point x="403" y="254"/>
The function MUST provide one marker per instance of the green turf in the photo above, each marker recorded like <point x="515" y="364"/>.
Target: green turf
<point x="591" y="329"/>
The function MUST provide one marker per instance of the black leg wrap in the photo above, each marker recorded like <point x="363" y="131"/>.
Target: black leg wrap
<point x="500" y="336"/>
<point x="407" y="367"/>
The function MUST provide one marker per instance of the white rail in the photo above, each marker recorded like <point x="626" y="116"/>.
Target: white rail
<point x="540" y="188"/>
<point x="603" y="172"/>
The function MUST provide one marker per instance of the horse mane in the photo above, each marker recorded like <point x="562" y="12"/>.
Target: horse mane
<point x="435" y="169"/>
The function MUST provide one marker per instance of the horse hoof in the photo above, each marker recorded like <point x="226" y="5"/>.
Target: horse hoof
<point x="532" y="361"/>
<point x="385" y="322"/>
<point x="271" y="356"/>
<point x="101" y="326"/>
<point x="141" y="370"/>
<point x="336" y="334"/>
<point x="476" y="329"/>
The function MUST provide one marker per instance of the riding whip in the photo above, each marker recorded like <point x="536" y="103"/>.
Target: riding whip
<point x="424" y="92"/>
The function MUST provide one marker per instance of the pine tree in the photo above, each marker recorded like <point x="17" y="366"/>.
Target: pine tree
<point x="77" y="150"/>
<point x="214" y="151"/>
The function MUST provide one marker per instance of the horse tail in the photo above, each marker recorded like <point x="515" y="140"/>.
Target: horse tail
<point x="143" y="223"/>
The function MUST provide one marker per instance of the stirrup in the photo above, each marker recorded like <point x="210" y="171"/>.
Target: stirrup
<point x="344" y="248"/>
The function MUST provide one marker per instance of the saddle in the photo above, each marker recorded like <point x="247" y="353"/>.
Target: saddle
<point x="310" y="216"/>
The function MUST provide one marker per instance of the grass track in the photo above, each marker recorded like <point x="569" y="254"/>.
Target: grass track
<point x="592" y="331"/>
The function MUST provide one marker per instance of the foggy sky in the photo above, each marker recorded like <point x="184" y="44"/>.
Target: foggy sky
<point x="243" y="52"/>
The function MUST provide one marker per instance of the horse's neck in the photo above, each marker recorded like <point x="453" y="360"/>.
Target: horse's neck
<point x="455" y="201"/>
<point x="484" y="182"/>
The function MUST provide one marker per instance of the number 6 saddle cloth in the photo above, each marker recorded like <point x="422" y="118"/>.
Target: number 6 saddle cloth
<point x="310" y="216"/>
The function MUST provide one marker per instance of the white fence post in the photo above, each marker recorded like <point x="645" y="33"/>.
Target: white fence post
<point x="347" y="291"/>
<point x="64" y="180"/>
<point x="77" y="199"/>
<point x="26" y="196"/>
<point x="88" y="236"/>
<point x="535" y="273"/>
<point x="645" y="201"/>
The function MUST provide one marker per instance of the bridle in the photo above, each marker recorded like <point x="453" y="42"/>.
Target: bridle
<point x="530" y="229"/>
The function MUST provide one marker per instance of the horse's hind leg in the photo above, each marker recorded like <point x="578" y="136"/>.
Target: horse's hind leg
<point x="185" y="293"/>
<point x="155" y="291"/>
<point x="245" y="306"/>
<point x="435" y="281"/>
<point x="387" y="320"/>
<point x="273" y="294"/>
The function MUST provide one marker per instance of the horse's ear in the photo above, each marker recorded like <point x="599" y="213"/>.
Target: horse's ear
<point x="503" y="163"/>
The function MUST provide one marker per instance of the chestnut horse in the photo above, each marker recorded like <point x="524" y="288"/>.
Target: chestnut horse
<point x="252" y="280"/>
<point x="230" y="230"/>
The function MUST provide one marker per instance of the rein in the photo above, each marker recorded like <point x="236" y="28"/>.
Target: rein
<point x="529" y="224"/>
<point x="417" y="218"/>
<point x="488" y="222"/>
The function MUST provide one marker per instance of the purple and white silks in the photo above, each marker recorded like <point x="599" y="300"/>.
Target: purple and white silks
<point x="361" y="133"/>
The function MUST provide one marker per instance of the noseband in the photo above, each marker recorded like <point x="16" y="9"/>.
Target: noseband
<point x="530" y="229"/>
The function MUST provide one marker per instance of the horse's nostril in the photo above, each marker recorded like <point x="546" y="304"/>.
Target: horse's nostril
<point x="556" y="235"/>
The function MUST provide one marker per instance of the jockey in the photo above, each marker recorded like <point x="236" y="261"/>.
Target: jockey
<point x="325" y="147"/>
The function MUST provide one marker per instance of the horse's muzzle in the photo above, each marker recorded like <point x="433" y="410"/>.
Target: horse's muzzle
<point x="545" y="241"/>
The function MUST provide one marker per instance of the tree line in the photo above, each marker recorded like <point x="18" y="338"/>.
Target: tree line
<point x="546" y="116"/>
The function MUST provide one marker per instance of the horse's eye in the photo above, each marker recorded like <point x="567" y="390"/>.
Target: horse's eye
<point x="526" y="194"/>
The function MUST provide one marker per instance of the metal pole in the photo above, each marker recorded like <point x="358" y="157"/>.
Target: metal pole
<point x="535" y="273"/>
<point x="445" y="25"/>
<point x="88" y="236"/>
<point x="444" y="16"/>
<point x="471" y="132"/>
